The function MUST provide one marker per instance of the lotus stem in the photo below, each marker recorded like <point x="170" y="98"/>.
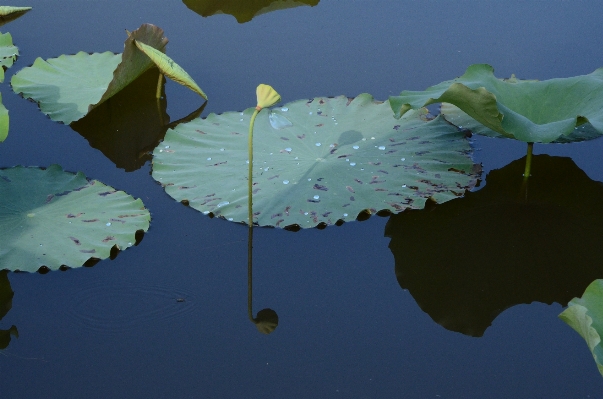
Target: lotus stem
<point x="250" y="274"/>
<point x="250" y="217"/>
<point x="526" y="173"/>
<point x="159" y="82"/>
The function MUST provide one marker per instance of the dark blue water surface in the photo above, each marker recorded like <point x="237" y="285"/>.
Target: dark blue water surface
<point x="346" y="327"/>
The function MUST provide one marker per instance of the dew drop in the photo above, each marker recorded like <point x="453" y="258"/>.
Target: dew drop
<point x="310" y="113"/>
<point x="209" y="159"/>
<point x="129" y="244"/>
<point x="382" y="147"/>
<point x="230" y="219"/>
<point x="223" y="203"/>
<point x="352" y="163"/>
<point x="347" y="159"/>
<point x="284" y="109"/>
<point x="404" y="185"/>
<point x="345" y="215"/>
<point x="285" y="181"/>
<point x="206" y="212"/>
<point x="288" y="149"/>
<point x="316" y="197"/>
<point x="305" y="213"/>
<point x="364" y="139"/>
<point x="356" y="147"/>
<point x="402" y="159"/>
<point x="221" y="149"/>
<point x="241" y="120"/>
<point x="167" y="146"/>
<point x="372" y="138"/>
<point x="309" y="179"/>
<point x="266" y="169"/>
<point x="108" y="224"/>
<point x="278" y="121"/>
<point x="241" y="114"/>
<point x="296" y="158"/>
<point x="317" y="144"/>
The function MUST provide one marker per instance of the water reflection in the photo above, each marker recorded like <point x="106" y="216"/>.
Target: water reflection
<point x="128" y="126"/>
<point x="243" y="10"/>
<point x="467" y="260"/>
<point x="6" y="303"/>
<point x="267" y="320"/>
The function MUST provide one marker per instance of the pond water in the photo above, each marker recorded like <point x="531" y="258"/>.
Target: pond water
<point x="168" y="318"/>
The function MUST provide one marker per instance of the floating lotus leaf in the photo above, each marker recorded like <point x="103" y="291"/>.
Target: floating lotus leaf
<point x="585" y="315"/>
<point x="527" y="110"/>
<point x="468" y="260"/>
<point x="8" y="53"/>
<point x="68" y="87"/>
<point x="243" y="11"/>
<point x="315" y="161"/>
<point x="51" y="218"/>
<point x="4" y="120"/>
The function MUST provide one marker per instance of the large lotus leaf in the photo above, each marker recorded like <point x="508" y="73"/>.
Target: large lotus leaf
<point x="243" y="11"/>
<point x="4" y="120"/>
<point x="585" y="315"/>
<point x="8" y="53"/>
<point x="315" y="161"/>
<point x="468" y="260"/>
<point x="526" y="110"/>
<point x="68" y="87"/>
<point x="51" y="218"/>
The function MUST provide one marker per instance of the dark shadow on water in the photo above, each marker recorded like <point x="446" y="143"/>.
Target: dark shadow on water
<point x="6" y="303"/>
<point x="243" y="10"/>
<point x="467" y="260"/>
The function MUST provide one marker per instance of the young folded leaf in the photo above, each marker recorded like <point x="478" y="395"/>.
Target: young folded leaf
<point x="6" y="10"/>
<point x="170" y="68"/>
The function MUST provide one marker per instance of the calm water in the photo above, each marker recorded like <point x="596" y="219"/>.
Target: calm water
<point x="346" y="328"/>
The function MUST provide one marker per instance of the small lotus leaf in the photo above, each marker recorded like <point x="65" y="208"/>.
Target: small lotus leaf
<point x="334" y="158"/>
<point x="8" y="53"/>
<point x="527" y="110"/>
<point x="4" y="120"/>
<point x="68" y="87"/>
<point x="51" y="218"/>
<point x="585" y="315"/>
<point x="168" y="67"/>
<point x="243" y="11"/>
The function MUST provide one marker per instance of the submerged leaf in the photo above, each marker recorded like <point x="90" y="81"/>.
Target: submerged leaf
<point x="526" y="110"/>
<point x="170" y="68"/>
<point x="51" y="218"/>
<point x="243" y="11"/>
<point x="585" y="315"/>
<point x="68" y="87"/>
<point x="339" y="157"/>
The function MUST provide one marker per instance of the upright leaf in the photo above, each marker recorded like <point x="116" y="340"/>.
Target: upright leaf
<point x="170" y="68"/>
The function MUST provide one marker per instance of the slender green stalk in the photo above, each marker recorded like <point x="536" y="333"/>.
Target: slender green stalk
<point x="249" y="274"/>
<point x="159" y="82"/>
<point x="250" y="217"/>
<point x="526" y="173"/>
<point x="250" y="169"/>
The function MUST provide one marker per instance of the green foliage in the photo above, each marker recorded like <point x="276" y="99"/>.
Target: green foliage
<point x="315" y="161"/>
<point x="169" y="68"/>
<point x="52" y="218"/>
<point x="8" y="53"/>
<point x="68" y="87"/>
<point x="585" y="315"/>
<point x="526" y="110"/>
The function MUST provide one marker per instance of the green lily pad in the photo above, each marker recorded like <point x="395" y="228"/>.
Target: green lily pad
<point x="527" y="110"/>
<point x="8" y="53"/>
<point x="52" y="218"/>
<point x="243" y="11"/>
<point x="4" y="121"/>
<point x="585" y="315"/>
<point x="316" y="162"/>
<point x="70" y="86"/>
